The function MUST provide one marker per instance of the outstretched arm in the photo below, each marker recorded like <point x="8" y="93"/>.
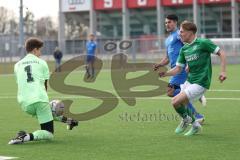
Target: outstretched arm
<point x="162" y="63"/>
<point x="222" y="57"/>
<point x="171" y="72"/>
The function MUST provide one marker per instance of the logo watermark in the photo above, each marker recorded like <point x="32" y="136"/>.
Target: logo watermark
<point x="143" y="116"/>
<point x="120" y="67"/>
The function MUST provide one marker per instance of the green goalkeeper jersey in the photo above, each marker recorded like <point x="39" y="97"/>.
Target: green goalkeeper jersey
<point x="31" y="73"/>
<point x="197" y="56"/>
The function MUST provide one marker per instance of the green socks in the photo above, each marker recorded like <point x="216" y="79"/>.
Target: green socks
<point x="182" y="111"/>
<point x="42" y="135"/>
<point x="190" y="113"/>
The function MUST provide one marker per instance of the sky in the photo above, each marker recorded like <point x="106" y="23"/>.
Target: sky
<point x="40" y="8"/>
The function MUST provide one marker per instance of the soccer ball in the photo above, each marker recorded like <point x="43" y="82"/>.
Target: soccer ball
<point x="57" y="107"/>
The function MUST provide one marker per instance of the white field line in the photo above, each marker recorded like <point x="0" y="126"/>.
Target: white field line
<point x="224" y="90"/>
<point x="154" y="98"/>
<point x="77" y="72"/>
<point x="211" y="90"/>
<point x="54" y="93"/>
<point x="5" y="158"/>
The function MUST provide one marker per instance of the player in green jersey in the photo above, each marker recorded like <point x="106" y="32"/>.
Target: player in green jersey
<point x="32" y="74"/>
<point x="196" y="53"/>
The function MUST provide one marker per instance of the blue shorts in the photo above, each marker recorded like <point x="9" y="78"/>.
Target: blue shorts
<point x="175" y="86"/>
<point x="90" y="58"/>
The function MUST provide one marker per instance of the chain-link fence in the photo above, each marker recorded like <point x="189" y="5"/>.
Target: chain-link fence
<point x="144" y="49"/>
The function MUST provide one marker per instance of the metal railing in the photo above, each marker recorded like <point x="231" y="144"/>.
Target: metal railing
<point x="148" y="48"/>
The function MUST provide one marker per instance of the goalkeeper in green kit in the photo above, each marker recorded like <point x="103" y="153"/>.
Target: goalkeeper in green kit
<point x="32" y="74"/>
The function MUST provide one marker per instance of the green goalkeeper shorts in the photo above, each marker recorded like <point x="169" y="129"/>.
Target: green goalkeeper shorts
<point x="41" y="110"/>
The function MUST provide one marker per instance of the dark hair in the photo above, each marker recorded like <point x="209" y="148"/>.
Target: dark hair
<point x="189" y="26"/>
<point x="32" y="43"/>
<point x="172" y="17"/>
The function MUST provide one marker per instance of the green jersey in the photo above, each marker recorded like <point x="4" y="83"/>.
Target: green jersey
<point x="31" y="73"/>
<point x="197" y="56"/>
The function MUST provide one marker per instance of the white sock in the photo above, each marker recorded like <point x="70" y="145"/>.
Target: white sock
<point x="187" y="119"/>
<point x="27" y="138"/>
<point x="196" y="124"/>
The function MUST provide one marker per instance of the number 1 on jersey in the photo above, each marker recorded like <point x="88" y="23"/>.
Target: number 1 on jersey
<point x="28" y="69"/>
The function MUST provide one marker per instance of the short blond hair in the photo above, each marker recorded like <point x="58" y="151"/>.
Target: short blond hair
<point x="189" y="26"/>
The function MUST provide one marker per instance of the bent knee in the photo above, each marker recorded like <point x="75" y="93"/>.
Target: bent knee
<point x="170" y="92"/>
<point x="175" y="102"/>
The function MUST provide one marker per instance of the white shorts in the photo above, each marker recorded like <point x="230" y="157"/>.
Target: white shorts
<point x="193" y="91"/>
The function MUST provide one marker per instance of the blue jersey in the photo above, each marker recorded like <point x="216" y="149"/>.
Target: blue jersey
<point x="173" y="45"/>
<point x="91" y="47"/>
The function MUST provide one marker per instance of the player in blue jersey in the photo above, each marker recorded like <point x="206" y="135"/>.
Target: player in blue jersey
<point x="90" y="49"/>
<point x="173" y="45"/>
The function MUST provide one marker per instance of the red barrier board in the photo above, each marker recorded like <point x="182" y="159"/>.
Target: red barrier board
<point x="141" y="3"/>
<point x="176" y="2"/>
<point x="107" y="4"/>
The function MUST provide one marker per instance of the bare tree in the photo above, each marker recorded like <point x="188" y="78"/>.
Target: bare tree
<point x="75" y="29"/>
<point x="7" y="21"/>
<point x="13" y="26"/>
<point x="46" y="27"/>
<point x="29" y="23"/>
